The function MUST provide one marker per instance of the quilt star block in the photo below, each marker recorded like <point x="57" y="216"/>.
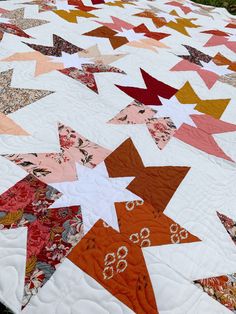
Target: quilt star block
<point x="166" y="110"/>
<point x="123" y="203"/>
<point x="186" y="8"/>
<point x="118" y="179"/>
<point x="59" y="167"/>
<point x="171" y="20"/>
<point x="189" y="7"/>
<point x="73" y="15"/>
<point x="212" y="107"/>
<point x="176" y="111"/>
<point x="13" y="99"/>
<point x="122" y="33"/>
<point x="69" y="10"/>
<point x="204" y="65"/>
<point x="78" y="63"/>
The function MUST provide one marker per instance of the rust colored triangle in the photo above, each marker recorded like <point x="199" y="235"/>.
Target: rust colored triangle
<point x="157" y="185"/>
<point x="124" y="161"/>
<point x="144" y="226"/>
<point x="118" y="265"/>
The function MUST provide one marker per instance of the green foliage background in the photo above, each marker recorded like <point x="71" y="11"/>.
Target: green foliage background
<point x="230" y="5"/>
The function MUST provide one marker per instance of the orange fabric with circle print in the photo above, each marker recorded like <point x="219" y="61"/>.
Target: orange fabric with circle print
<point x="118" y="265"/>
<point x="144" y="226"/>
<point x="156" y="185"/>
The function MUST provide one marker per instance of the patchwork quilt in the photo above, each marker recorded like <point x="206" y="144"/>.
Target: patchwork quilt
<point x="117" y="157"/>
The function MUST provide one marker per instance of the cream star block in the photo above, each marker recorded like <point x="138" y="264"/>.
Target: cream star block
<point x="131" y="35"/>
<point x="178" y="112"/>
<point x="96" y="193"/>
<point x="217" y="69"/>
<point x="72" y="60"/>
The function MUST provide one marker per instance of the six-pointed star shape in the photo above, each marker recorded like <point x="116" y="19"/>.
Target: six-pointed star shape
<point x="172" y="20"/>
<point x="122" y="33"/>
<point x="178" y="112"/>
<point x="96" y="193"/>
<point x="206" y="66"/>
<point x="75" y="62"/>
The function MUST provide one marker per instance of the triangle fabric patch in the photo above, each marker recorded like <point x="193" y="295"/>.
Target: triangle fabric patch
<point x="144" y="226"/>
<point x="229" y="224"/>
<point x="221" y="288"/>
<point x="118" y="265"/>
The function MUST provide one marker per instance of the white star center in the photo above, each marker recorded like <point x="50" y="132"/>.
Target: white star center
<point x="72" y="60"/>
<point x="179" y="113"/>
<point x="217" y="69"/>
<point x="130" y="35"/>
<point x="96" y="193"/>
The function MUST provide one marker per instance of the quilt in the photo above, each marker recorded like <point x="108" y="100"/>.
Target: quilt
<point x="117" y="157"/>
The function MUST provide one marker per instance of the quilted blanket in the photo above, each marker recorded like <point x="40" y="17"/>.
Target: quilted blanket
<point x="117" y="157"/>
